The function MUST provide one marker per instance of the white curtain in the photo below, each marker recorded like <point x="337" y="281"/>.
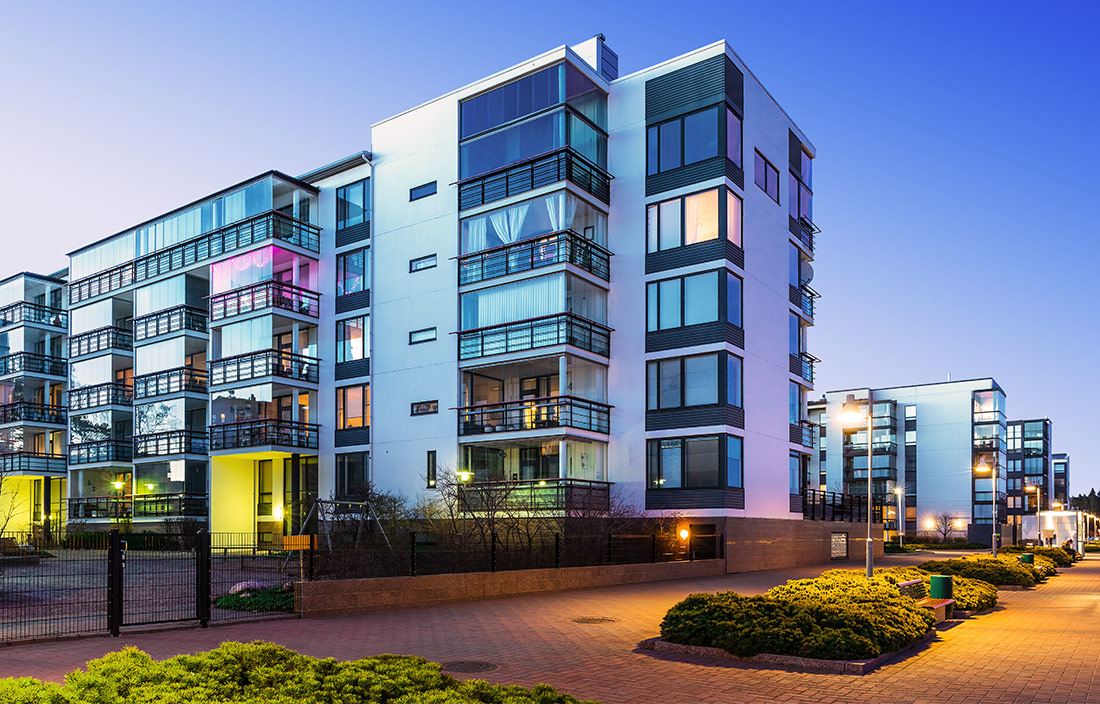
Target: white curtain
<point x="509" y="222"/>
<point x="532" y="298"/>
<point x="562" y="208"/>
<point x="476" y="229"/>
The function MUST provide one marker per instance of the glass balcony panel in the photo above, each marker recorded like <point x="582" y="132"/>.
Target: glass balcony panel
<point x="535" y="414"/>
<point x="546" y="331"/>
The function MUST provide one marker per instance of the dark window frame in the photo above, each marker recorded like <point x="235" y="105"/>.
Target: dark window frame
<point x="657" y="283"/>
<point x="723" y="218"/>
<point x="722" y="379"/>
<point x="767" y="165"/>
<point x="341" y="218"/>
<point x="413" y="268"/>
<point x="424" y="408"/>
<point x="341" y="269"/>
<point x="340" y="324"/>
<point x="723" y="482"/>
<point x="341" y="472"/>
<point x="653" y="138"/>
<point x="434" y="337"/>
<point x="431" y="469"/>
<point x="342" y="406"/>
<point x="422" y="191"/>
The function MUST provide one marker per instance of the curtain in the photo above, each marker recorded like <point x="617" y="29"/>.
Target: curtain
<point x="509" y="221"/>
<point x="562" y="208"/>
<point x="476" y="230"/>
<point x="532" y="298"/>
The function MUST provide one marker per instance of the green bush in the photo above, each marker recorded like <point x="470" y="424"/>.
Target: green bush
<point x="1060" y="557"/>
<point x="947" y="546"/>
<point x="998" y="571"/>
<point x="257" y="600"/>
<point x="1092" y="547"/>
<point x="839" y="617"/>
<point x="969" y="594"/>
<point x="264" y="673"/>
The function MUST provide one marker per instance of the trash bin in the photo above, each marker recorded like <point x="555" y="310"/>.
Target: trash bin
<point x="1027" y="558"/>
<point x="942" y="587"/>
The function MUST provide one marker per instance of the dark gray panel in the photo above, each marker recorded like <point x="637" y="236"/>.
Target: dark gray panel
<point x="794" y="153"/>
<point x="352" y="436"/>
<point x="735" y="85"/>
<point x="688" y="175"/>
<point x="353" y="234"/>
<point x="796" y="503"/>
<point x="713" y="251"/>
<point x="735" y="174"/>
<point x="686" y="89"/>
<point x="347" y="370"/>
<point x="692" y="335"/>
<point x="353" y="301"/>
<point x="733" y="497"/>
<point x="694" y="417"/>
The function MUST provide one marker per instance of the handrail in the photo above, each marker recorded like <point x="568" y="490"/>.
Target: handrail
<point x="580" y="318"/>
<point x="261" y="295"/>
<point x="261" y="363"/>
<point x="533" y="238"/>
<point x="44" y="311"/>
<point x="85" y="397"/>
<point x="20" y="410"/>
<point x="535" y="157"/>
<point x="527" y="401"/>
<point x="557" y="247"/>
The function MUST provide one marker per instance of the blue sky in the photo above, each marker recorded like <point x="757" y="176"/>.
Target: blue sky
<point x="955" y="143"/>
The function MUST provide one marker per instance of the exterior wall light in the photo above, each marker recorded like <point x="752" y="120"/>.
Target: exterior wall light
<point x="684" y="534"/>
<point x="464" y="476"/>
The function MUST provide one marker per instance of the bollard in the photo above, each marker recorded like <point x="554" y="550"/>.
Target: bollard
<point x="1027" y="558"/>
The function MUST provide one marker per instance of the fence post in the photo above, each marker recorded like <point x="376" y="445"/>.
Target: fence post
<point x="492" y="551"/>
<point x="202" y="577"/>
<point x="691" y="549"/>
<point x="412" y="554"/>
<point x="653" y="547"/>
<point x="557" y="550"/>
<point x="114" y="582"/>
<point x="610" y="552"/>
<point x="311" y="546"/>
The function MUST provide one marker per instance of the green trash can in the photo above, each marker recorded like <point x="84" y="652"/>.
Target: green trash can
<point x="1027" y="558"/>
<point x="942" y="587"/>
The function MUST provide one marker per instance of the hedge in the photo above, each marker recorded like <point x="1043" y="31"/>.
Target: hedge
<point x="969" y="594"/>
<point x="998" y="571"/>
<point x="259" y="599"/>
<point x="264" y="673"/>
<point x="1060" y="557"/>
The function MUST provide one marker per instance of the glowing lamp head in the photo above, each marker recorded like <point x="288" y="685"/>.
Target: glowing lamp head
<point x="851" y="413"/>
<point x="898" y="490"/>
<point x="277" y="512"/>
<point x="464" y="476"/>
<point x="982" y="466"/>
<point x="684" y="534"/>
<point x="117" y="485"/>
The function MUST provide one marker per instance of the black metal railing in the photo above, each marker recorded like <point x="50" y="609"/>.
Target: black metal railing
<point x="835" y="506"/>
<point x="26" y="412"/>
<point x="536" y="495"/>
<point x="879" y="447"/>
<point x="561" y="165"/>
<point x="262" y="432"/>
<point x="803" y="365"/>
<point x="271" y="225"/>
<point x="802" y="297"/>
<point x="265" y="294"/>
<point x="808" y="432"/>
<point x="33" y="363"/>
<point x="137" y="506"/>
<point x="535" y="414"/>
<point x="25" y="312"/>
<point x="32" y="462"/>
<point x="100" y="340"/>
<point x="87" y="397"/>
<point x="990" y="443"/>
<point x="560" y="247"/>
<point x="545" y="331"/>
<point x="169" y="321"/>
<point x="170" y="381"/>
<point x="803" y="230"/>
<point x="265" y="363"/>
<point x="171" y="442"/>
<point x="101" y="451"/>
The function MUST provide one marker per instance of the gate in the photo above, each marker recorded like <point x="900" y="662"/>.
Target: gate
<point x="154" y="579"/>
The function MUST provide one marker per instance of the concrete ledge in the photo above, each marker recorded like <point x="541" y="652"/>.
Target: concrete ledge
<point x="350" y="596"/>
<point x="1012" y="588"/>
<point x="837" y="667"/>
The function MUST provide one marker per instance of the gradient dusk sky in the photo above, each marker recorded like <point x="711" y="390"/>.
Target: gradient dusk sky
<point x="951" y="140"/>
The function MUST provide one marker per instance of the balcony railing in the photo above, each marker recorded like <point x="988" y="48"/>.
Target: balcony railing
<point x="26" y="412"/>
<point x="170" y="381"/>
<point x="561" y="165"/>
<point x="804" y="231"/>
<point x="24" y="312"/>
<point x="87" y="397"/>
<point x="536" y="495"/>
<point x="561" y="247"/>
<point x="101" y="340"/>
<point x="171" y="442"/>
<point x="857" y="448"/>
<point x="101" y="451"/>
<point x="265" y="363"/>
<point x="989" y="443"/>
<point x="139" y="506"/>
<point x="271" y="225"/>
<point x="34" y="363"/>
<point x="265" y="294"/>
<point x="546" y="331"/>
<point x="169" y="321"/>
<point x="261" y="432"/>
<point x="802" y="297"/>
<point x="535" y="414"/>
<point x="809" y="434"/>
<point x="32" y="463"/>
<point x="803" y="365"/>
<point x="835" y="506"/>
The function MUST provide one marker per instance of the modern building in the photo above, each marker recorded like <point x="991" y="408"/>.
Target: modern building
<point x="1030" y="476"/>
<point x="928" y="441"/>
<point x="1062" y="494"/>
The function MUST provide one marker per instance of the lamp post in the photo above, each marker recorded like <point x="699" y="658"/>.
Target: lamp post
<point x="850" y="413"/>
<point x="901" y="533"/>
<point x="982" y="468"/>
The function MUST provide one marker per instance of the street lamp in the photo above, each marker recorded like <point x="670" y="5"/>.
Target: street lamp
<point x="900" y="493"/>
<point x="850" y="413"/>
<point x="982" y="468"/>
<point x="1038" y="496"/>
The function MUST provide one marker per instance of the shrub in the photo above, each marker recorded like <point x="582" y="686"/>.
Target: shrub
<point x="927" y="545"/>
<point x="265" y="673"/>
<point x="969" y="594"/>
<point x="1092" y="547"/>
<point x="1060" y="557"/>
<point x="997" y="571"/>
<point x="258" y="598"/>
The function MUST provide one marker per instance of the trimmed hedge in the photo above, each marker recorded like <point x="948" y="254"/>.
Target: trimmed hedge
<point x="970" y="594"/>
<point x="839" y="617"/>
<point x="998" y="571"/>
<point x="1060" y="557"/>
<point x="259" y="599"/>
<point x="264" y="673"/>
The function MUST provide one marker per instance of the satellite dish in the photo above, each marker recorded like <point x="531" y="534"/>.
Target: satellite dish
<point x="805" y="273"/>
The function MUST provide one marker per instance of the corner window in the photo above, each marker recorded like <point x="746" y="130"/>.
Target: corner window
<point x="418" y="192"/>
<point x="424" y="408"/>
<point x="683" y="140"/>
<point x="352" y="272"/>
<point x="734" y="462"/>
<point x="352" y="475"/>
<point x="734" y="375"/>
<point x="688" y="300"/>
<point x="352" y="338"/>
<point x="353" y="407"/>
<point x="733" y="299"/>
<point x="417" y="337"/>
<point x="766" y="176"/>
<point x="733" y="137"/>
<point x="693" y="462"/>
<point x="799" y="199"/>
<point x="353" y="204"/>
<point x="682" y="381"/>
<point x="692" y="219"/>
<point x="422" y="263"/>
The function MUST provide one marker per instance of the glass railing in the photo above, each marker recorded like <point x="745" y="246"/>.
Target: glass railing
<point x="546" y="250"/>
<point x="803" y="365"/>
<point x="100" y="395"/>
<point x="545" y="331"/>
<point x="265" y="363"/>
<point x="170" y="442"/>
<point x="803" y="230"/>
<point x="552" y="494"/>
<point x="34" y="363"/>
<point x="535" y="414"/>
<point x="170" y="381"/>
<point x="24" y="312"/>
<point x="262" y="432"/>
<point x="101" y="451"/>
<point x="32" y="463"/>
<point x="876" y="447"/>
<point x="140" y="506"/>
<point x="101" y="340"/>
<point x="802" y="297"/>
<point x="271" y="225"/>
<point x="169" y="321"/>
<point x="561" y="165"/>
<point x="265" y="294"/>
<point x="809" y="433"/>
<point x="25" y="412"/>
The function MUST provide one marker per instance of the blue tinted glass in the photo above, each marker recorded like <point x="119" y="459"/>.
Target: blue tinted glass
<point x="652" y="155"/>
<point x="733" y="461"/>
<point x="733" y="300"/>
<point x="422" y="191"/>
<point x="587" y="141"/>
<point x="670" y="145"/>
<point x="733" y="380"/>
<point x="512" y="101"/>
<point x="701" y="136"/>
<point x="733" y="137"/>
<point x="516" y="143"/>
<point x="585" y="97"/>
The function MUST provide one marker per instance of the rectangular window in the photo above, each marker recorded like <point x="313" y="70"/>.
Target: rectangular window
<point x="416" y="337"/>
<point x="734" y="371"/>
<point x="352" y="476"/>
<point x="700" y="298"/>
<point x="430" y="469"/>
<point x="352" y="339"/>
<point x="701" y="462"/>
<point x="694" y="462"/>
<point x="794" y="334"/>
<point x="352" y="272"/>
<point x="733" y="299"/>
<point x="424" y="408"/>
<point x="353" y="407"/>
<point x="733" y="218"/>
<point x="733" y="137"/>
<point x="353" y="204"/>
<point x="264" y="491"/>
<point x="794" y="402"/>
<point x="684" y="140"/>
<point x="422" y="263"/>
<point x="799" y="199"/>
<point x="766" y="176"/>
<point x="734" y="462"/>
<point x="418" y="192"/>
<point x="682" y="381"/>
<point x="795" y="473"/>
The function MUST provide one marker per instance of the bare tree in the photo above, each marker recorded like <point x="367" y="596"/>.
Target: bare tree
<point x="945" y="524"/>
<point x="10" y="500"/>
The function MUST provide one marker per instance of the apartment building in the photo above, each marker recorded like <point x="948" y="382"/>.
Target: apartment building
<point x="591" y="286"/>
<point x="1062" y="494"/>
<point x="1030" y="477"/>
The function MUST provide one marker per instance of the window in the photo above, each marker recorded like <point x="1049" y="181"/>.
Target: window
<point x="418" y="192"/>
<point x="418" y="336"/>
<point x="531" y="138"/>
<point x="353" y="204"/>
<point x="422" y="263"/>
<point x="264" y="491"/>
<point x="692" y="219"/>
<point x="532" y="218"/>
<point x="353" y="407"/>
<point x="733" y="299"/>
<point x="352" y="272"/>
<point x="734" y="372"/>
<point x="352" y="475"/>
<point x="531" y="94"/>
<point x="352" y="339"/>
<point x="733" y="218"/>
<point x="794" y="402"/>
<point x="684" y="140"/>
<point x="734" y="464"/>
<point x="693" y="462"/>
<point x="733" y="137"/>
<point x="679" y="302"/>
<point x="910" y="412"/>
<point x="766" y="176"/>
<point x="692" y="381"/>
<point x="794" y="336"/>
<point x="799" y="199"/>
<point x="424" y="408"/>
<point x="430" y="469"/>
<point x="795" y="473"/>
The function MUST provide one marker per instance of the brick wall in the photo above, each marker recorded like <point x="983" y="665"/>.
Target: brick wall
<point x="774" y="543"/>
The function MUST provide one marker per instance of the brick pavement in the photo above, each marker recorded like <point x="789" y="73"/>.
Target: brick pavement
<point x="1043" y="647"/>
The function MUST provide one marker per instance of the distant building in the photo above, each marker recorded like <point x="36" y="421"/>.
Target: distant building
<point x="1029" y="468"/>
<point x="1061" y="478"/>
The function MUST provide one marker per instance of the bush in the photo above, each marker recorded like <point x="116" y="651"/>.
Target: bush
<point x="839" y="617"/>
<point x="969" y="594"/>
<point x="1092" y="547"/>
<point x="998" y="571"/>
<point x="925" y="545"/>
<point x="265" y="673"/>
<point x="258" y="598"/>
<point x="1060" y="557"/>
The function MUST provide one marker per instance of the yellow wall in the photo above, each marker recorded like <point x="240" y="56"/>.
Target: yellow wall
<point x="232" y="495"/>
<point x="16" y="497"/>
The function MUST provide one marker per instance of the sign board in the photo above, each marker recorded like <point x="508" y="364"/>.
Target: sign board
<point x="298" y="542"/>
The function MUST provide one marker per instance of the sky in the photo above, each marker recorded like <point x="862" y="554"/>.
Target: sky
<point x="951" y="138"/>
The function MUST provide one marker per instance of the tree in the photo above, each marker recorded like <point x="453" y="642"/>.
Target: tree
<point x="946" y="524"/>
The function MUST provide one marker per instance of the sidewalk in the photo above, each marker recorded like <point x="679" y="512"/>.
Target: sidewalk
<point x="1044" y="647"/>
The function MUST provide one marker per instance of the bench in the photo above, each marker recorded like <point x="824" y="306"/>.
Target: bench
<point x="915" y="589"/>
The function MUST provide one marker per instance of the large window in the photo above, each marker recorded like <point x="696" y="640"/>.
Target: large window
<point x="693" y="381"/>
<point x="694" y="462"/>
<point x="794" y="334"/>
<point x="531" y="138"/>
<point x="533" y="298"/>
<point x="682" y="301"/>
<point x="353" y="407"/>
<point x="692" y="219"/>
<point x="692" y="138"/>
<point x="734" y="379"/>
<point x="352" y="272"/>
<point x="352" y="339"/>
<point x="733" y="299"/>
<point x="353" y="204"/>
<point x="733" y="137"/>
<point x="533" y="218"/>
<point x="352" y="475"/>
<point x="766" y="176"/>
<point x="799" y="199"/>
<point x="794" y="403"/>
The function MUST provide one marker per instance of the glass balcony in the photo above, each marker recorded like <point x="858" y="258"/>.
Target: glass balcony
<point x="101" y="340"/>
<point x="24" y="312"/>
<point x="809" y="434"/>
<point x="990" y="443"/>
<point x="100" y="395"/>
<point x="265" y="363"/>
<point x="535" y="414"/>
<point x="555" y="248"/>
<point x="171" y="381"/>
<point x="140" y="506"/>
<point x="858" y="448"/>
<point x="170" y="442"/>
<point x="803" y="365"/>
<point x="25" y="412"/>
<point x="263" y="432"/>
<point x="32" y="463"/>
<point x="30" y="362"/>
<point x="101" y="451"/>
<point x="560" y="165"/>
<point x="266" y="294"/>
<point x="169" y="321"/>
<point x="803" y="230"/>
<point x="555" y="495"/>
<point x="802" y="297"/>
<point x="545" y="331"/>
<point x="271" y="225"/>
